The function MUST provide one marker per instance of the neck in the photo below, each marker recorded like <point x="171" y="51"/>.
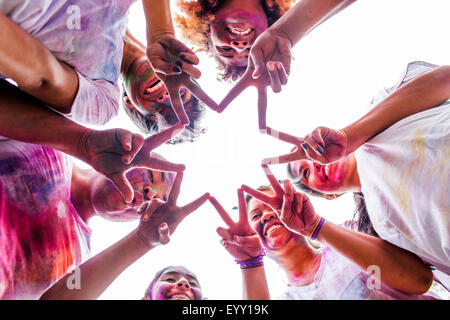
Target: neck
<point x="299" y="260"/>
<point x="80" y="192"/>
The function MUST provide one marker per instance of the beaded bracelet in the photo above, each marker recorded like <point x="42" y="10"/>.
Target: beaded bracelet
<point x="252" y="263"/>
<point x="317" y="228"/>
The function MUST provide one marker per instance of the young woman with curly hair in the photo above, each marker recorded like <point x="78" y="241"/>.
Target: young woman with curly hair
<point x="226" y="29"/>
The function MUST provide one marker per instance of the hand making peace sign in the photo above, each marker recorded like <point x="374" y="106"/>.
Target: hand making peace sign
<point x="239" y="239"/>
<point x="160" y="219"/>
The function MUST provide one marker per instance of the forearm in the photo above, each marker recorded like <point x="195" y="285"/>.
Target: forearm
<point x="35" y="70"/>
<point x="132" y="50"/>
<point x="399" y="268"/>
<point x="97" y="273"/>
<point x="158" y="17"/>
<point x="26" y="119"/>
<point x="426" y="91"/>
<point x="254" y="283"/>
<point x="306" y="15"/>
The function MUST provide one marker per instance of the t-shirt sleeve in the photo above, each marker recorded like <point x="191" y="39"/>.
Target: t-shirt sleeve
<point x="96" y="102"/>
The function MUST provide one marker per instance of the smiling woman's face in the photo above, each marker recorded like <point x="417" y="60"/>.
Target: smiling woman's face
<point x="233" y="32"/>
<point x="147" y="94"/>
<point x="176" y="283"/>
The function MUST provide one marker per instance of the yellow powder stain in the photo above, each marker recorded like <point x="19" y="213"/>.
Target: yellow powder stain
<point x="419" y="144"/>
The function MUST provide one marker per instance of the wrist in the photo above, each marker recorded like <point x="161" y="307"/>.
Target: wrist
<point x="81" y="138"/>
<point x="316" y="228"/>
<point x="156" y="35"/>
<point x="252" y="262"/>
<point x="355" y="135"/>
<point x="142" y="240"/>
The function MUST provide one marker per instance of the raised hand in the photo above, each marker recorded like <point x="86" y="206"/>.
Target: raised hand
<point x="274" y="201"/>
<point x="272" y="46"/>
<point x="297" y="212"/>
<point x="239" y="239"/>
<point x="160" y="219"/>
<point x="173" y="63"/>
<point x="275" y="76"/>
<point x="114" y="152"/>
<point x="326" y="145"/>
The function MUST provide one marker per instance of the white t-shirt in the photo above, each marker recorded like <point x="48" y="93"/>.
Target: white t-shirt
<point x="338" y="278"/>
<point x="404" y="173"/>
<point x="87" y="35"/>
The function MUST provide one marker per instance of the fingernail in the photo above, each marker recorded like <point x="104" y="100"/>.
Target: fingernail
<point x="304" y="146"/>
<point x="320" y="144"/>
<point x="270" y="67"/>
<point x="182" y="56"/>
<point x="179" y="63"/>
<point x="320" y="151"/>
<point x="176" y="69"/>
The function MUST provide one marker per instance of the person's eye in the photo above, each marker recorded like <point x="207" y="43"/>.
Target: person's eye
<point x="306" y="173"/>
<point x="171" y="280"/>
<point x="193" y="284"/>
<point x="147" y="192"/>
<point x="256" y="217"/>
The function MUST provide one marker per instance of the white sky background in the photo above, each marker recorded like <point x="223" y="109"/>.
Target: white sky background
<point x="337" y="69"/>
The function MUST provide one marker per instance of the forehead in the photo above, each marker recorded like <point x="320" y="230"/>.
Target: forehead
<point x="255" y="204"/>
<point x="179" y="271"/>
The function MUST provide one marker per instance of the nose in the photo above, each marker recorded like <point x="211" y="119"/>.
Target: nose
<point x="183" y="284"/>
<point x="163" y="96"/>
<point x="240" y="45"/>
<point x="268" y="216"/>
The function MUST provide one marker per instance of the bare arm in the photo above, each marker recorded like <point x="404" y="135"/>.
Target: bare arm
<point x="35" y="70"/>
<point x="254" y="283"/>
<point x="305" y="16"/>
<point x="399" y="268"/>
<point x="99" y="272"/>
<point x="424" y="92"/>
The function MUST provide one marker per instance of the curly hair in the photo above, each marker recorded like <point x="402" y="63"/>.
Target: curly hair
<point x="194" y="24"/>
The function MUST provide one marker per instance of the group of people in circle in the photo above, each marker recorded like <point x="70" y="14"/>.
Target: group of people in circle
<point x="394" y="159"/>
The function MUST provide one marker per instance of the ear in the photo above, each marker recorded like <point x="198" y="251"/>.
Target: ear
<point x="331" y="196"/>
<point x="127" y="102"/>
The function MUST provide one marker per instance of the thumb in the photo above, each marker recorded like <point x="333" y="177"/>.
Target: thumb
<point x="164" y="233"/>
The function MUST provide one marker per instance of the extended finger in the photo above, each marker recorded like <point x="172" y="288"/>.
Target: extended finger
<point x="194" y="205"/>
<point x="242" y="84"/>
<point x="285" y="137"/>
<point x="256" y="194"/>
<point x="272" y="179"/>
<point x="177" y="104"/>
<point x="289" y="189"/>
<point x="286" y="208"/>
<point x="158" y="139"/>
<point x="243" y="217"/>
<point x="161" y="165"/>
<point x="189" y="69"/>
<point x="251" y="241"/>
<point x="275" y="81"/>
<point x="285" y="158"/>
<point x="175" y="190"/>
<point x="221" y="211"/>
<point x="262" y="108"/>
<point x="164" y="233"/>
<point x="201" y="95"/>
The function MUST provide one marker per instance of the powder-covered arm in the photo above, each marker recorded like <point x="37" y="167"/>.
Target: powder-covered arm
<point x="33" y="67"/>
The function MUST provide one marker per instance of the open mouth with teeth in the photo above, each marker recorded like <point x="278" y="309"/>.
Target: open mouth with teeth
<point x="239" y="31"/>
<point x="154" y="87"/>
<point x="179" y="296"/>
<point x="271" y="228"/>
